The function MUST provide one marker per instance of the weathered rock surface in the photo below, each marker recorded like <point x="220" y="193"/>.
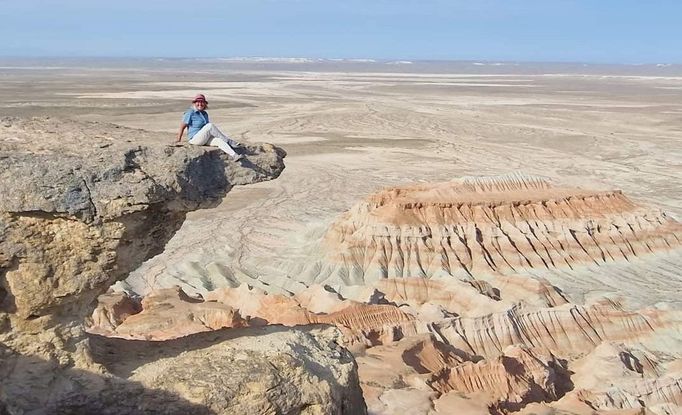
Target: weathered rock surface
<point x="267" y="370"/>
<point x="263" y="371"/>
<point x="616" y="376"/>
<point x="566" y="329"/>
<point x="170" y="313"/>
<point x="83" y="204"/>
<point x="163" y="315"/>
<point x="517" y="377"/>
<point x="448" y="295"/>
<point x="506" y="339"/>
<point x="507" y="359"/>
<point x="477" y="226"/>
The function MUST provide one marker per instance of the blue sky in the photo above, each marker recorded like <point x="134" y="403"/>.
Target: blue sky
<point x="612" y="31"/>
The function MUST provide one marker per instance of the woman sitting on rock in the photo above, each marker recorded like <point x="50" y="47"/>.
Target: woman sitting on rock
<point x="201" y="132"/>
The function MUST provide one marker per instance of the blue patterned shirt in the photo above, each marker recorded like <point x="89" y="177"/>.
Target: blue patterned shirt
<point x="195" y="120"/>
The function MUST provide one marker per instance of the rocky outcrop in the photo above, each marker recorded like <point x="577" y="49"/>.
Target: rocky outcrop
<point x="564" y="330"/>
<point x="614" y="376"/>
<point x="506" y="359"/>
<point x="473" y="227"/>
<point x="170" y="313"/>
<point x="239" y="371"/>
<point x="449" y="295"/>
<point x="478" y="264"/>
<point x="517" y="377"/>
<point x="163" y="315"/>
<point x="83" y="204"/>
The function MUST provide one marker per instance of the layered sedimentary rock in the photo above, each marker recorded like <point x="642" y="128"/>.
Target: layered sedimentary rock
<point x="421" y="367"/>
<point x="518" y="376"/>
<point x="481" y="226"/>
<point x="617" y="376"/>
<point x="475" y="252"/>
<point x="167" y="314"/>
<point x="451" y="295"/>
<point x="83" y="204"/>
<point x="170" y="313"/>
<point x="509" y="358"/>
<point x="566" y="329"/>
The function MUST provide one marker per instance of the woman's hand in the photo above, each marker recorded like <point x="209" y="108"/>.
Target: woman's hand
<point x="180" y="133"/>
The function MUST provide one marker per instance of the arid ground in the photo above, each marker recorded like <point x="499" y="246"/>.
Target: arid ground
<point x="351" y="130"/>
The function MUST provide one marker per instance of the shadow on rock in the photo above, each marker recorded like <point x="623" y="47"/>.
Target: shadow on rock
<point x="38" y="386"/>
<point x="122" y="356"/>
<point x="273" y="369"/>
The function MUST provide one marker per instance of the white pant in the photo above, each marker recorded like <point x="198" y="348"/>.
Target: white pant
<point x="211" y="135"/>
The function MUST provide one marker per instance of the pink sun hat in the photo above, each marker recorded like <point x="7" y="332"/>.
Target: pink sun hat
<point x="199" y="97"/>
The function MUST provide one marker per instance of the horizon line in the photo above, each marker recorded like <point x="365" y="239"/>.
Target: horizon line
<point x="309" y="59"/>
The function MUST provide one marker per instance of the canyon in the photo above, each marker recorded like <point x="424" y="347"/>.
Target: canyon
<point x="430" y="287"/>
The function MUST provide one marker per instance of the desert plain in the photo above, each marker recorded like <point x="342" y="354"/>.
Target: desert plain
<point x="443" y="134"/>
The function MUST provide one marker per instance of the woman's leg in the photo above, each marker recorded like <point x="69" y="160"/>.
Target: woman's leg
<point x="215" y="132"/>
<point x="202" y="137"/>
<point x="220" y="143"/>
<point x="211" y="135"/>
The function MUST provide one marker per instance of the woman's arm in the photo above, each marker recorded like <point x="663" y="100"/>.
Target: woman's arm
<point x="181" y="132"/>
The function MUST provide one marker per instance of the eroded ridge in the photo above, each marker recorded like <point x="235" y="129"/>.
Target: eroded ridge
<point x="475" y="226"/>
<point x="461" y="326"/>
<point x="435" y="340"/>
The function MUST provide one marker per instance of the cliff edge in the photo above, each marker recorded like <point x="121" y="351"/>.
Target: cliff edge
<point x="82" y="205"/>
